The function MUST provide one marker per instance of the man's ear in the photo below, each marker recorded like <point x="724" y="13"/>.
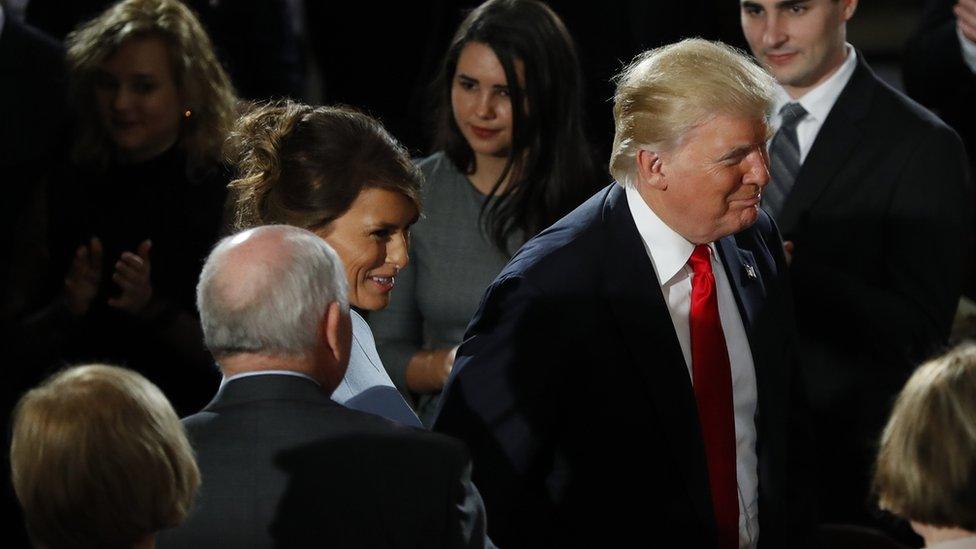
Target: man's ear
<point x="335" y="332"/>
<point x="650" y="170"/>
<point x="850" y="6"/>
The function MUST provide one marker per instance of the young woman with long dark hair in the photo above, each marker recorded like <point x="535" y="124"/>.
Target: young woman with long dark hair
<point x="510" y="160"/>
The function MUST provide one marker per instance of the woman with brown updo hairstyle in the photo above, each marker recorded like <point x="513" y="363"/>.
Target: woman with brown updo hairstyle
<point x="141" y="201"/>
<point x="339" y="174"/>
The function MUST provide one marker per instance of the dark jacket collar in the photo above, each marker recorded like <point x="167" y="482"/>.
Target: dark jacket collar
<point x="836" y="141"/>
<point x="268" y="387"/>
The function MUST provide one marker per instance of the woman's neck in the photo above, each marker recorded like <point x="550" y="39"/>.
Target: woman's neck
<point x="487" y="170"/>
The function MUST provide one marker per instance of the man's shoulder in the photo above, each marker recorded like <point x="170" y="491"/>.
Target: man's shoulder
<point x="303" y="422"/>
<point x="571" y="246"/>
<point x="381" y="448"/>
<point x="889" y="112"/>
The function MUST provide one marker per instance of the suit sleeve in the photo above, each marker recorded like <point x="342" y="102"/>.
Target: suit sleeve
<point x="499" y="401"/>
<point x="927" y="251"/>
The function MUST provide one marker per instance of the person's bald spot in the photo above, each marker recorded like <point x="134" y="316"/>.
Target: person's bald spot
<point x="248" y="266"/>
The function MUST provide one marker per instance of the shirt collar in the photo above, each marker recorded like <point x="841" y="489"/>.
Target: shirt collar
<point x="818" y="101"/>
<point x="226" y="380"/>
<point x="668" y="250"/>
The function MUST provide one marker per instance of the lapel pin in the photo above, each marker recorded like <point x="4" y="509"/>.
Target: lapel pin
<point x="750" y="272"/>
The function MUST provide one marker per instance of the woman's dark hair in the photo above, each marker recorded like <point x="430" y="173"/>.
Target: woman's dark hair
<point x="551" y="166"/>
<point x="304" y="166"/>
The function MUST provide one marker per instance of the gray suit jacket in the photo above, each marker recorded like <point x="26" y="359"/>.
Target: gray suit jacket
<point x="284" y="466"/>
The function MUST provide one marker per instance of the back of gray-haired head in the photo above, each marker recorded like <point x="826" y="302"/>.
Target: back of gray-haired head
<point x="266" y="290"/>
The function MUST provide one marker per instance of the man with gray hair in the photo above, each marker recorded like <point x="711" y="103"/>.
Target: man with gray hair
<point x="283" y="464"/>
<point x="641" y="347"/>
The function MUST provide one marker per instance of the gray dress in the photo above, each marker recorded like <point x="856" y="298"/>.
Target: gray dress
<point x="451" y="265"/>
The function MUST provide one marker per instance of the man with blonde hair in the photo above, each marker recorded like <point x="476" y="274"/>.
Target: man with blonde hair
<point x="640" y="348"/>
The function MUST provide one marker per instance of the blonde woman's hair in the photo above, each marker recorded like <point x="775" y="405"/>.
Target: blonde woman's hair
<point x="926" y="467"/>
<point x="666" y="92"/>
<point x="304" y="166"/>
<point x="99" y="459"/>
<point x="204" y="84"/>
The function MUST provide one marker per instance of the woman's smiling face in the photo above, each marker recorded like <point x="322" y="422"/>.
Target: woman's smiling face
<point x="372" y="238"/>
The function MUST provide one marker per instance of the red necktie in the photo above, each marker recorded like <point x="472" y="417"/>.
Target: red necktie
<point x="712" y="377"/>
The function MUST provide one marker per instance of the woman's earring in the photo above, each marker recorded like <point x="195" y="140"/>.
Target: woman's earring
<point x="187" y="113"/>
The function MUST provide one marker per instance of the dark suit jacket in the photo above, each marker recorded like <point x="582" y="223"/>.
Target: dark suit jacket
<point x="882" y="218"/>
<point x="936" y="76"/>
<point x="573" y="394"/>
<point x="32" y="136"/>
<point x="283" y="465"/>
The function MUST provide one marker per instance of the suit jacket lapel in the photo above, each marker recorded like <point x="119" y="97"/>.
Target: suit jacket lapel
<point x="642" y="316"/>
<point x="743" y="273"/>
<point x="835" y="142"/>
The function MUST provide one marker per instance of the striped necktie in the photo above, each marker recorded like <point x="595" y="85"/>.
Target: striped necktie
<point x="784" y="159"/>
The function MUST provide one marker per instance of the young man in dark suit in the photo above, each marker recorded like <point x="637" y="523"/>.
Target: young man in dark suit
<point x="282" y="464"/>
<point x="871" y="193"/>
<point x="628" y="375"/>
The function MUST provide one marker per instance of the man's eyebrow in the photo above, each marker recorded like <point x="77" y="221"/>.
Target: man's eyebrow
<point x="790" y="3"/>
<point x="736" y="152"/>
<point x="783" y="4"/>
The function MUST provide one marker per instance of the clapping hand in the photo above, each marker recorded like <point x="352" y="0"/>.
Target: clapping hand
<point x="81" y="283"/>
<point x="132" y="276"/>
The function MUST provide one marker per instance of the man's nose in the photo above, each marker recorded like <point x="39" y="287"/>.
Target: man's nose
<point x="774" y="33"/>
<point x="758" y="173"/>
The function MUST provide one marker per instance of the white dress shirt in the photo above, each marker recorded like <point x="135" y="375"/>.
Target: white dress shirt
<point x="817" y="102"/>
<point x="669" y="252"/>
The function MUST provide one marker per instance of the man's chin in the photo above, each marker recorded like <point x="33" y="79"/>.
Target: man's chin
<point x="748" y="218"/>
